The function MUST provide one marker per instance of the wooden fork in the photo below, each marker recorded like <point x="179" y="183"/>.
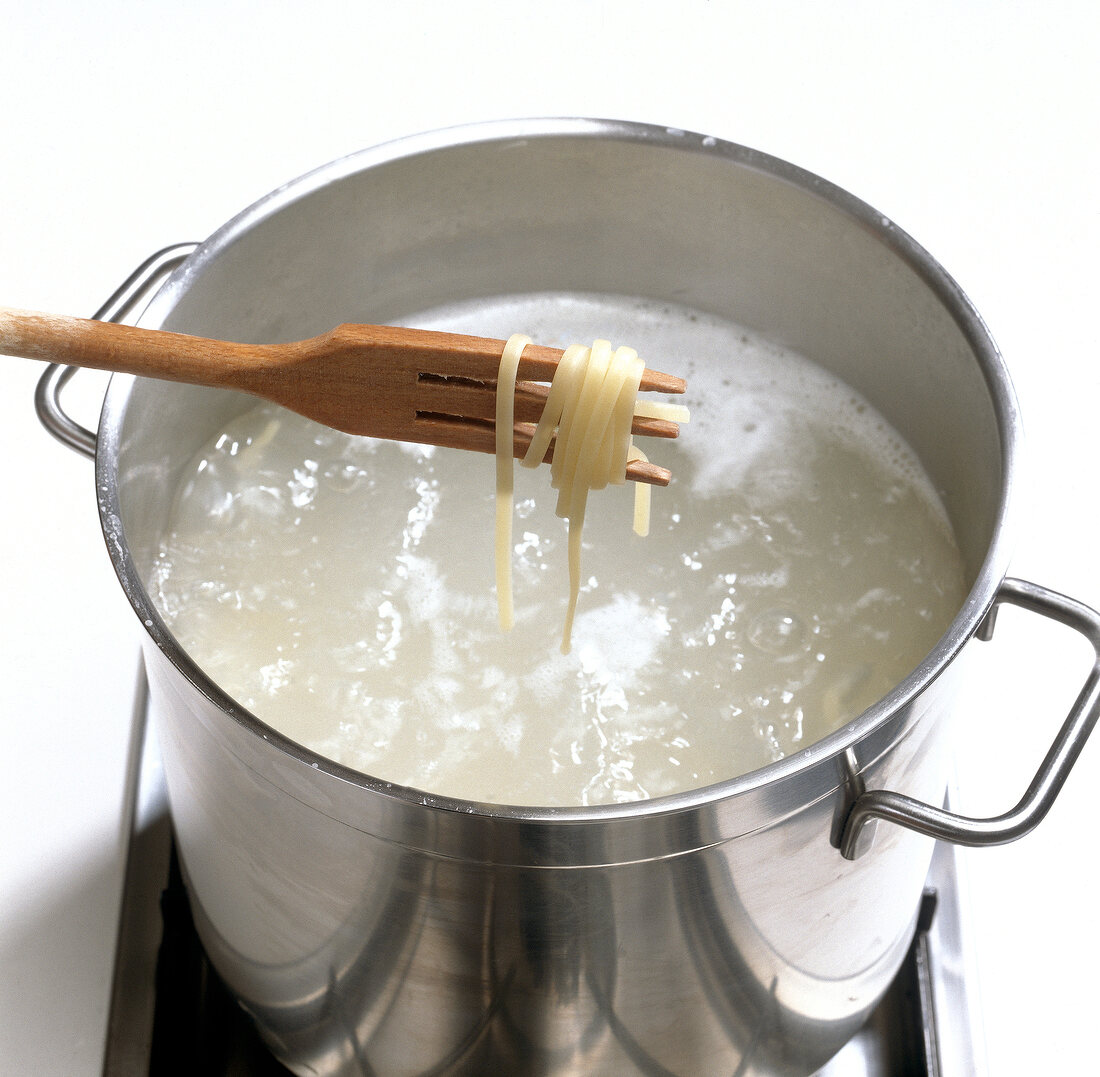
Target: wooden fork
<point x="380" y="381"/>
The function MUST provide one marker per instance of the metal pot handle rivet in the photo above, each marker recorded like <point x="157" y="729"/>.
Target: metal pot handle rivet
<point x="138" y="286"/>
<point x="1049" y="778"/>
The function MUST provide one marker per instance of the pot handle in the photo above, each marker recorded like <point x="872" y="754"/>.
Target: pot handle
<point x="1052" y="772"/>
<point x="136" y="287"/>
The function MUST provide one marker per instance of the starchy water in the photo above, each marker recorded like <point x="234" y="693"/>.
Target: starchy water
<point x="798" y="567"/>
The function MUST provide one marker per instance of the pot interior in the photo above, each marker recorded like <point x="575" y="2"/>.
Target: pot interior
<point x="589" y="208"/>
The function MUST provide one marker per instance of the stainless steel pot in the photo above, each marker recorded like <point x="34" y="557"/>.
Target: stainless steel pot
<point x="744" y="928"/>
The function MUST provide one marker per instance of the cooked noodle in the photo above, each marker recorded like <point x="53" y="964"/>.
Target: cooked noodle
<point x="588" y="413"/>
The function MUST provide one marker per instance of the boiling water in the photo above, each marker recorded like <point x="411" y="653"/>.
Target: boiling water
<point x="797" y="568"/>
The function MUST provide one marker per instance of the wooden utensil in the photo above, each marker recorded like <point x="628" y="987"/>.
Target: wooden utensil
<point x="381" y="381"/>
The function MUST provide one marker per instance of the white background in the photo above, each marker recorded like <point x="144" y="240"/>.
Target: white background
<point x="127" y="126"/>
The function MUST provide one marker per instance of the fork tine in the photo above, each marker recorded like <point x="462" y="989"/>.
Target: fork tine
<point x="477" y="400"/>
<point x="544" y="362"/>
<point x="452" y="432"/>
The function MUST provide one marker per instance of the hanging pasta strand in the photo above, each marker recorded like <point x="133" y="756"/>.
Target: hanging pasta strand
<point x="505" y="422"/>
<point x="588" y="414"/>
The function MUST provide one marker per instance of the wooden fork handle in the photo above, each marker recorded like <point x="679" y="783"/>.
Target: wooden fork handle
<point x="123" y="349"/>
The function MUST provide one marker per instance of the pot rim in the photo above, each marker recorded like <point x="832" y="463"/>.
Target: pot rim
<point x="979" y="599"/>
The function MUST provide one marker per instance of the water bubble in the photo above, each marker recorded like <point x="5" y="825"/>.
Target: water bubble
<point x="778" y="633"/>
